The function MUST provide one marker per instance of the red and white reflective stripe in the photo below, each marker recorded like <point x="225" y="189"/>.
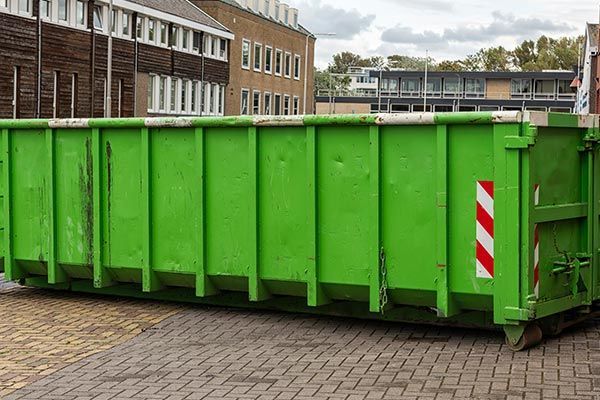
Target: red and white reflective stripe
<point x="536" y="246"/>
<point x="485" y="230"/>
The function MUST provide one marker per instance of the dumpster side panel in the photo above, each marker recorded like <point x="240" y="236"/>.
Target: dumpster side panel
<point x="175" y="203"/>
<point x="73" y="199"/>
<point x="3" y="199"/>
<point x="470" y="160"/>
<point x="408" y="200"/>
<point x="283" y="203"/>
<point x="343" y="186"/>
<point x="29" y="212"/>
<point x="122" y="222"/>
<point x="229" y="229"/>
<point x="560" y="174"/>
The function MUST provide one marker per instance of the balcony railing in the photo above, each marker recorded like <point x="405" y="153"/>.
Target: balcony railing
<point x="448" y="95"/>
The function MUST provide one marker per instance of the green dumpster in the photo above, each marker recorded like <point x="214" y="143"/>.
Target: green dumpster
<point x="474" y="219"/>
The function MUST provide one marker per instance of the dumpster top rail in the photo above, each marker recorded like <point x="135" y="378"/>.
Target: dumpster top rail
<point x="463" y="118"/>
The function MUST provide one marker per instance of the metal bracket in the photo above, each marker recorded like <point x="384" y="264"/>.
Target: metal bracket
<point x="519" y="142"/>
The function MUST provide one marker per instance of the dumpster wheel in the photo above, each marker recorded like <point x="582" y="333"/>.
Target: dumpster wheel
<point x="532" y="336"/>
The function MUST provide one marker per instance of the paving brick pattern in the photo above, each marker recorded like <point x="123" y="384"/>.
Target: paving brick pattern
<point x="210" y="353"/>
<point x="44" y="331"/>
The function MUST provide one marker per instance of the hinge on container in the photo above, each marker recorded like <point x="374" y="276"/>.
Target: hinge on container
<point x="519" y="142"/>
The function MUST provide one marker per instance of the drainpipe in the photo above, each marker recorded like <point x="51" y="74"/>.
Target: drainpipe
<point x="133" y="31"/>
<point x="38" y="111"/>
<point x="109" y="63"/>
<point x="93" y="60"/>
<point x="201" y="104"/>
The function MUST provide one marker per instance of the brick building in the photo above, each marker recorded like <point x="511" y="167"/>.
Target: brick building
<point x="168" y="59"/>
<point x="271" y="59"/>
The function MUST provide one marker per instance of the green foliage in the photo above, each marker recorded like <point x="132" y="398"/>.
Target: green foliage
<point x="531" y="55"/>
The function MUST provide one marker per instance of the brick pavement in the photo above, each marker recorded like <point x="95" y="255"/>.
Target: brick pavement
<point x="214" y="353"/>
<point x="44" y="331"/>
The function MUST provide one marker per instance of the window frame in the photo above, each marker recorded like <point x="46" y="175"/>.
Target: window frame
<point x="247" y="93"/>
<point x="269" y="60"/>
<point x="296" y="105"/>
<point x="297" y="66"/>
<point x="286" y="97"/>
<point x="259" y="47"/>
<point x="256" y="106"/>
<point x="267" y="105"/>
<point x="279" y="58"/>
<point x="246" y="65"/>
<point x="287" y="65"/>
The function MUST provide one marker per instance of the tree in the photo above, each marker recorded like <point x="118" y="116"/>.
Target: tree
<point x="490" y="59"/>
<point x="398" y="61"/>
<point x="547" y="53"/>
<point x="344" y="60"/>
<point x="326" y="81"/>
<point x="449" y="66"/>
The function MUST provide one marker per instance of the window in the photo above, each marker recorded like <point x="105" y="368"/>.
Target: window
<point x="296" y="105"/>
<point x="162" y="94"/>
<point x="80" y="13"/>
<point x="520" y="88"/>
<point x="256" y="103"/>
<point x="288" y="65"/>
<point x="297" y="63"/>
<point x="4" y="3"/>
<point x="267" y="8"/>
<point x="268" y="60"/>
<point x="126" y="21"/>
<point x="278" y="62"/>
<point x="544" y="89"/>
<point x="194" y="98"/>
<point x="151" y="30"/>
<point x="164" y="34"/>
<point x="173" y="96"/>
<point x="45" y="8"/>
<point x="257" y="57"/>
<point x="184" y="98"/>
<point x="434" y="87"/>
<point x="474" y="87"/>
<point x="489" y="108"/>
<point x="277" y="105"/>
<point x="196" y="41"/>
<point x="151" y="83"/>
<point x="214" y="96"/>
<point x="55" y="98"/>
<point x="25" y="6"/>
<point x="120" y="98"/>
<point x="139" y="29"/>
<point x="98" y="18"/>
<point x="565" y="91"/>
<point x="286" y="105"/>
<point x="185" y="45"/>
<point x="114" y="21"/>
<point x="410" y="87"/>
<point x="74" y="95"/>
<point x="245" y="101"/>
<point x="174" y="36"/>
<point x="214" y="47"/>
<point x="63" y="10"/>
<point x="16" y="103"/>
<point x="452" y="87"/>
<point x="277" y="7"/>
<point x="223" y="49"/>
<point x="246" y="54"/>
<point x="222" y="100"/>
<point x="267" y="104"/>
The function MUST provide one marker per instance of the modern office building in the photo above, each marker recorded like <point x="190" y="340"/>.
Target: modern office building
<point x="271" y="59"/>
<point x="168" y="58"/>
<point x="410" y="91"/>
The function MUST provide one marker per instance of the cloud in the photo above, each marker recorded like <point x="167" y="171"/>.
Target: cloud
<point x="502" y="25"/>
<point x="434" y="5"/>
<point x="324" y="18"/>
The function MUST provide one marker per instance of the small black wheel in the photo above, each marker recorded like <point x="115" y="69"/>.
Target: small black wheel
<point x="532" y="336"/>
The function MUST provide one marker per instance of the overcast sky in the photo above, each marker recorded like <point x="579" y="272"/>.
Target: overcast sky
<point x="450" y="29"/>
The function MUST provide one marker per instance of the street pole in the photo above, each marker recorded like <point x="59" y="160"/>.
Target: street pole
<point x="109" y="65"/>
<point x="425" y="86"/>
<point x="305" y="75"/>
<point x="379" y="86"/>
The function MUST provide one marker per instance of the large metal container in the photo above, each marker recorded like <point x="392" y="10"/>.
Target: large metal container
<point x="483" y="219"/>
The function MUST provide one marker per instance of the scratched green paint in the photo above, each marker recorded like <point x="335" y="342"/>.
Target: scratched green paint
<point x="239" y="206"/>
